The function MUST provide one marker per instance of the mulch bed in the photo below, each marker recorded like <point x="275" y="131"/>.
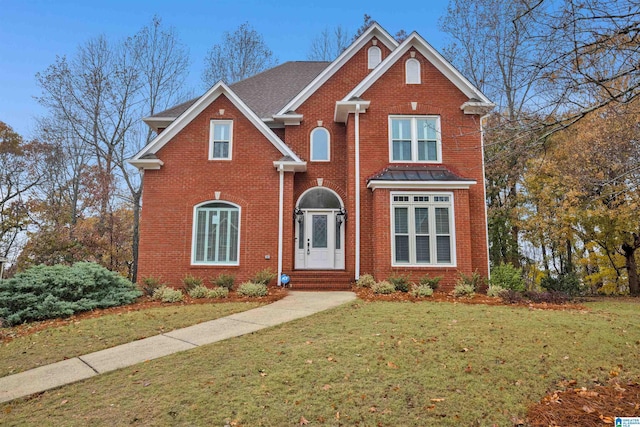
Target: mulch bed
<point x="367" y="294"/>
<point x="586" y="407"/>
<point x="143" y="303"/>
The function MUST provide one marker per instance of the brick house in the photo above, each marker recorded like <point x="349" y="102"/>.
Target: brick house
<point x="325" y="171"/>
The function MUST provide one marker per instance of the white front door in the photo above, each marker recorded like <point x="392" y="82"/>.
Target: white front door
<point x="319" y="241"/>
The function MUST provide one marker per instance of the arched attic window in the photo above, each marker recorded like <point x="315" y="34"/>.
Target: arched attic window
<point x="320" y="145"/>
<point x="412" y="71"/>
<point x="374" y="57"/>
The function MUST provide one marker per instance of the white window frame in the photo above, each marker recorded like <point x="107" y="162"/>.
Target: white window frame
<point x="412" y="72"/>
<point x="373" y="59"/>
<point x="431" y="205"/>
<point x="198" y="208"/>
<point x="414" y="139"/>
<point x="311" y="141"/>
<point x="212" y="126"/>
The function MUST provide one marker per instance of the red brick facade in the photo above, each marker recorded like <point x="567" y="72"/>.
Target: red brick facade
<point x="250" y="181"/>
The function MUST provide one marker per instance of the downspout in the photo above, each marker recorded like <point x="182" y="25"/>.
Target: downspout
<point x="280" y="222"/>
<point x="357" y="143"/>
<point x="484" y="191"/>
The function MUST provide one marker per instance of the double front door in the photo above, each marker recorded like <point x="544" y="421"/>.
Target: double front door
<point x="319" y="240"/>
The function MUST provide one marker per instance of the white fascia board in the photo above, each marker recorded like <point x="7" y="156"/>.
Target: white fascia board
<point x="288" y="119"/>
<point x="474" y="107"/>
<point x="156" y="123"/>
<point x="421" y="185"/>
<point x="375" y="30"/>
<point x="289" y="166"/>
<point x="153" y="164"/>
<point x="199" y="106"/>
<point x="432" y="55"/>
<point x="344" y="108"/>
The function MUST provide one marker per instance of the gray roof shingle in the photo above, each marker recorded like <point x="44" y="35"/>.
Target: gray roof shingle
<point x="267" y="92"/>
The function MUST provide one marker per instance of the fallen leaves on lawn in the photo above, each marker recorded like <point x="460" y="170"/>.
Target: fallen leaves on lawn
<point x="303" y="421"/>
<point x="585" y="407"/>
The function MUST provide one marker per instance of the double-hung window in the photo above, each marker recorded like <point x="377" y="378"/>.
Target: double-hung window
<point x="422" y="229"/>
<point x="415" y="139"/>
<point x="220" y="139"/>
<point x="216" y="234"/>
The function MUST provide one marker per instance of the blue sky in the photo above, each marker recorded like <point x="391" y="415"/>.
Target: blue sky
<point x="34" y="32"/>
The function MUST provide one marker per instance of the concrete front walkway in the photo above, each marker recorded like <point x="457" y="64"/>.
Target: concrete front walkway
<point x="294" y="306"/>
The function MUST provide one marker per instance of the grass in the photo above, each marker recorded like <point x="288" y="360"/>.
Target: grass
<point x="380" y="363"/>
<point x="89" y="335"/>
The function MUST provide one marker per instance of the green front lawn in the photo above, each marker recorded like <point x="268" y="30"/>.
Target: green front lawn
<point x="367" y="364"/>
<point x="89" y="335"/>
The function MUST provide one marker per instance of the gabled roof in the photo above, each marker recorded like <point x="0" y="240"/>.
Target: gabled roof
<point x="265" y="93"/>
<point x="432" y="55"/>
<point x="374" y="30"/>
<point x="195" y="109"/>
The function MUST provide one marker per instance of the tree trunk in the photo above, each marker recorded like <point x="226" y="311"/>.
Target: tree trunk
<point x="137" y="196"/>
<point x="632" y="266"/>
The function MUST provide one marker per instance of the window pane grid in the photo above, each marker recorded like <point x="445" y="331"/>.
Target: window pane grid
<point x="216" y="235"/>
<point x="422" y="228"/>
<point x="415" y="139"/>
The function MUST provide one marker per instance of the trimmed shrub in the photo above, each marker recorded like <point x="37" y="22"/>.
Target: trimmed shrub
<point x="400" y="282"/>
<point x="568" y="284"/>
<point x="495" y="290"/>
<point x="464" y="290"/>
<point x="149" y="285"/>
<point x="264" y="277"/>
<point x="510" y="296"/>
<point x="365" y="281"/>
<point x="383" y="287"/>
<point x="474" y="280"/>
<point x="44" y="292"/>
<point x="551" y="297"/>
<point x="507" y="276"/>
<point x="421" y="291"/>
<point x="190" y="282"/>
<point x="166" y="294"/>
<point x="224" y="280"/>
<point x="199" y="292"/>
<point x="432" y="282"/>
<point x="250" y="289"/>
<point x="218" y="292"/>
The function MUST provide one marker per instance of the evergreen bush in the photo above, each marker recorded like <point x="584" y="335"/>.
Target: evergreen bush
<point x="199" y="292"/>
<point x="507" y="277"/>
<point x="190" y="282"/>
<point x="264" y="277"/>
<point x="432" y="282"/>
<point x="167" y="294"/>
<point x="44" y="292"/>
<point x="218" y="292"/>
<point x="400" y="282"/>
<point x="365" y="281"/>
<point x="383" y="287"/>
<point x="224" y="280"/>
<point x="250" y="289"/>
<point x="421" y="291"/>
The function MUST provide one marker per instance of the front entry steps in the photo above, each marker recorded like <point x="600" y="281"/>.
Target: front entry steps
<point x="316" y="280"/>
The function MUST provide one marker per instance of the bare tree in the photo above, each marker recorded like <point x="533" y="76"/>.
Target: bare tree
<point x="241" y="54"/>
<point x="97" y="99"/>
<point x="328" y="45"/>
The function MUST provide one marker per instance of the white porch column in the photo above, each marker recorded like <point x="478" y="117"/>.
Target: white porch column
<point x="357" y="144"/>
<point x="280" y="222"/>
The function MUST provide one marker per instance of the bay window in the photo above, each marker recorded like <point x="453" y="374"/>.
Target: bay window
<point x="422" y="229"/>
